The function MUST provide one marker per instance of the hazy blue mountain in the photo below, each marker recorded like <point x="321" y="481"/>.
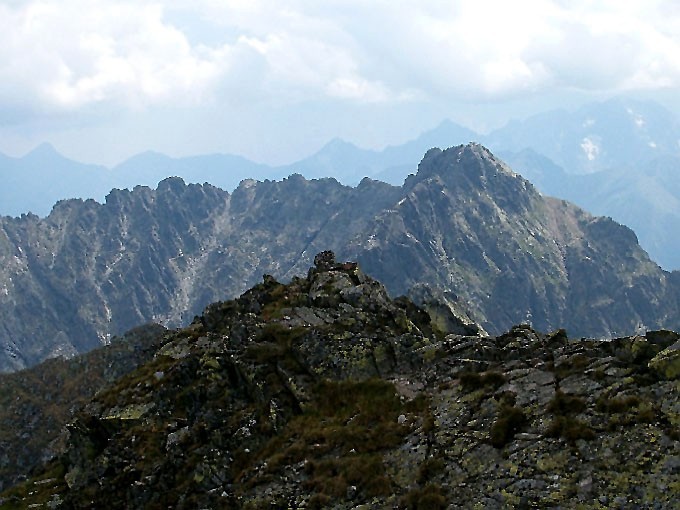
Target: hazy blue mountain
<point x="598" y="136"/>
<point x="339" y="159"/>
<point x="36" y="181"/>
<point x="349" y="164"/>
<point x="400" y="160"/>
<point x="222" y="170"/>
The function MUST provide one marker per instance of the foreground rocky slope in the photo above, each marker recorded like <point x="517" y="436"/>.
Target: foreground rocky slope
<point x="465" y="224"/>
<point x="327" y="393"/>
<point x="35" y="404"/>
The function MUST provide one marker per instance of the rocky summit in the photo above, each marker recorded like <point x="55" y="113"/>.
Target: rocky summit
<point x="326" y="393"/>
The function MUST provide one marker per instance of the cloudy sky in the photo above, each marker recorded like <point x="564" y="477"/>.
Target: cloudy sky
<point x="274" y="80"/>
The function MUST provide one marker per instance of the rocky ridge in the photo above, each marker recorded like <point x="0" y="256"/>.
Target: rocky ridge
<point x="327" y="393"/>
<point x="464" y="224"/>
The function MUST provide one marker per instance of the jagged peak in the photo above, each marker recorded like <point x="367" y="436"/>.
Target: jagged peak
<point x="457" y="154"/>
<point x="328" y="283"/>
<point x="477" y="151"/>
<point x="168" y="185"/>
<point x="44" y="151"/>
<point x="367" y="183"/>
<point x="174" y="184"/>
<point x="472" y="160"/>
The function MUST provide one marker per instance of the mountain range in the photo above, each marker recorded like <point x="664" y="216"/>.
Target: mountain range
<point x="618" y="158"/>
<point x="465" y="228"/>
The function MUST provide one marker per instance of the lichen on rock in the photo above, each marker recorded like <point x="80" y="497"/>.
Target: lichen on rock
<point x="667" y="362"/>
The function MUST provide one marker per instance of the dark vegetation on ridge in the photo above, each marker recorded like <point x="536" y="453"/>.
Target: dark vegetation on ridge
<point x="326" y="393"/>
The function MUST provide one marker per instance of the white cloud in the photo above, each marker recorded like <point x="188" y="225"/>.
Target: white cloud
<point x="71" y="54"/>
<point x="64" y="55"/>
<point x="590" y="149"/>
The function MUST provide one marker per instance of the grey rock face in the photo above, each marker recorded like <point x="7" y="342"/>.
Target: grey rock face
<point x="468" y="225"/>
<point x="465" y="224"/>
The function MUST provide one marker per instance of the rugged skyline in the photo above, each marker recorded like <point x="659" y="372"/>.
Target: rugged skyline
<point x="465" y="224"/>
<point x="616" y="158"/>
<point x="274" y="81"/>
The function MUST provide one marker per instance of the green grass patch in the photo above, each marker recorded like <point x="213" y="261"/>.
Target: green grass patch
<point x="627" y="410"/>
<point x="617" y="404"/>
<point x="563" y="404"/>
<point x="341" y="439"/>
<point x="574" y="365"/>
<point x="486" y="380"/>
<point x="274" y="343"/>
<point x="570" y="428"/>
<point x="564" y="424"/>
<point x="430" y="468"/>
<point x="510" y="421"/>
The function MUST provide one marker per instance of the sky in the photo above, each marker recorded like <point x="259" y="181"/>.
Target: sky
<point x="274" y="80"/>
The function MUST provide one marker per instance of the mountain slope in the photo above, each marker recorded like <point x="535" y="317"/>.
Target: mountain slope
<point x="465" y="224"/>
<point x="645" y="197"/>
<point x="618" y="158"/>
<point x="37" y="403"/>
<point x="325" y="393"/>
<point x="89" y="271"/>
